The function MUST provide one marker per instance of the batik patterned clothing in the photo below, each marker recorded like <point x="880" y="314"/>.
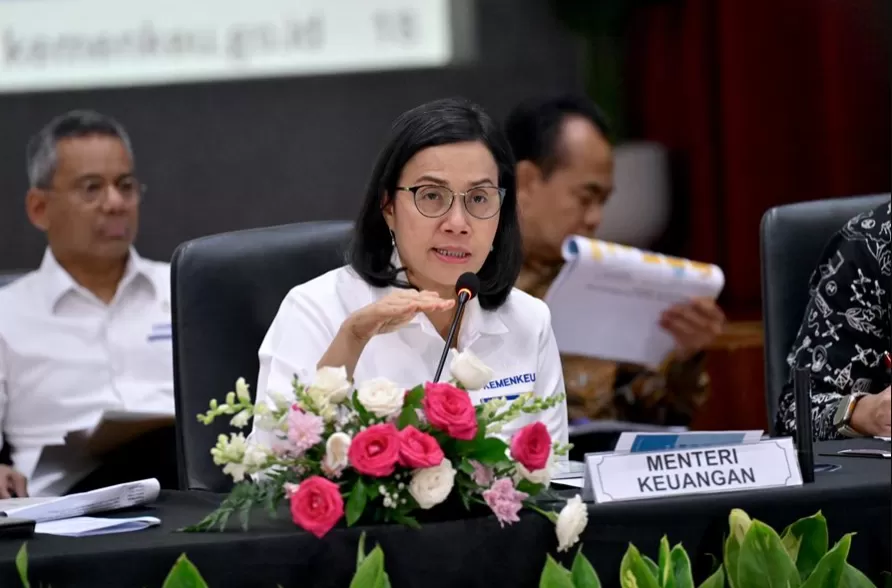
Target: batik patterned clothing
<point x="845" y="330"/>
<point x="600" y="389"/>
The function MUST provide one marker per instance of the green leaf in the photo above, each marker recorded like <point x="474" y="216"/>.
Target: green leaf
<point x="360" y="550"/>
<point x="356" y="502"/>
<point x="739" y="523"/>
<point x="634" y="573"/>
<point x="21" y="564"/>
<point x="853" y="578"/>
<point x="582" y="573"/>
<point x="664" y="566"/>
<point x="829" y="570"/>
<point x="184" y="574"/>
<point x="371" y="573"/>
<point x="407" y="520"/>
<point x="652" y="566"/>
<point x="491" y="450"/>
<point x="763" y="562"/>
<point x="554" y="575"/>
<point x="680" y="565"/>
<point x="529" y="487"/>
<point x="806" y="541"/>
<point x="466" y="467"/>
<point x="716" y="580"/>
<point x="411" y="403"/>
<point x="363" y="414"/>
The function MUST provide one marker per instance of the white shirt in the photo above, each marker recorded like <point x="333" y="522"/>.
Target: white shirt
<point x="66" y="357"/>
<point x="515" y="341"/>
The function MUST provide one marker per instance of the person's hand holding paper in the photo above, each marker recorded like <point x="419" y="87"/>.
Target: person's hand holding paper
<point x="623" y="304"/>
<point x="693" y="325"/>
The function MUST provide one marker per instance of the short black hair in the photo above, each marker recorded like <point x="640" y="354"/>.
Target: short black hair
<point x="40" y="154"/>
<point x="533" y="127"/>
<point x="441" y="122"/>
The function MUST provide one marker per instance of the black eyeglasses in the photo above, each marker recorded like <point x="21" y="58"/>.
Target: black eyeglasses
<point x="434" y="201"/>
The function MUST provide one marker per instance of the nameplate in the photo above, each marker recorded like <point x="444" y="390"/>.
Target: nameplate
<point x="613" y="477"/>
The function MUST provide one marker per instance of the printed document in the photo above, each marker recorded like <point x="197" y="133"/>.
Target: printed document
<point x="95" y="501"/>
<point x="607" y="300"/>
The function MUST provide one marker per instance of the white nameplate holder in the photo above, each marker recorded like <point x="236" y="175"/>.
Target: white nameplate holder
<point x="615" y="477"/>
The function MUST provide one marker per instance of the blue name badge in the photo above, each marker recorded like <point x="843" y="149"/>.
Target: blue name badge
<point x="492" y="390"/>
<point x="161" y="332"/>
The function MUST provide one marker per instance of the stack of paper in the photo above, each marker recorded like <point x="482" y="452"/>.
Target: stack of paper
<point x="64" y="515"/>
<point x="608" y="298"/>
<point x="87" y="526"/>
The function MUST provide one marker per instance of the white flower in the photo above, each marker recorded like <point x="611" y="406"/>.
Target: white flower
<point x="279" y="401"/>
<point x="571" y="523"/>
<point x="241" y="390"/>
<point x="430" y="486"/>
<point x="241" y="419"/>
<point x="542" y="476"/>
<point x="238" y="457"/>
<point x="330" y="383"/>
<point x="336" y="448"/>
<point x="470" y="371"/>
<point x="381" y="397"/>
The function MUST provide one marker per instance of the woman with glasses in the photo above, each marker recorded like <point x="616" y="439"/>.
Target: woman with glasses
<point x="440" y="203"/>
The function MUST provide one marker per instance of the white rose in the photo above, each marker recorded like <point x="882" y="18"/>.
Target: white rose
<point x="430" y="486"/>
<point x="470" y="371"/>
<point x="571" y="523"/>
<point x="381" y="397"/>
<point x="336" y="448"/>
<point x="542" y="476"/>
<point x="330" y="383"/>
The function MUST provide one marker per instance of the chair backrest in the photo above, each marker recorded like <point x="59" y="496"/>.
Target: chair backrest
<point x="793" y="238"/>
<point x="226" y="290"/>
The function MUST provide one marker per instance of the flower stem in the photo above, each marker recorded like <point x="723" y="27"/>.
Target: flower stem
<point x="551" y="516"/>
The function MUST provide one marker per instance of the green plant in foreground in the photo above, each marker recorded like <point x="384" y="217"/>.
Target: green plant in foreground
<point x="755" y="556"/>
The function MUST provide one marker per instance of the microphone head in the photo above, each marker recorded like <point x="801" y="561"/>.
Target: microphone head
<point x="468" y="283"/>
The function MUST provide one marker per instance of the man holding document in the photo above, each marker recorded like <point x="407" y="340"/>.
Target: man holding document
<point x="85" y="351"/>
<point x="564" y="179"/>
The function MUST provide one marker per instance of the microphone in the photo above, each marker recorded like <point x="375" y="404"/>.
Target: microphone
<point x="466" y="288"/>
<point x="804" y="424"/>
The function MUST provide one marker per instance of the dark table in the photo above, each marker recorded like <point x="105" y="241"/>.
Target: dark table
<point x="467" y="553"/>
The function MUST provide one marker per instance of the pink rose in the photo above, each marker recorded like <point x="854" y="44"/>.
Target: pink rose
<point x="316" y="505"/>
<point x="450" y="409"/>
<point x="419" y="450"/>
<point x="375" y="451"/>
<point x="531" y="446"/>
<point x="504" y="500"/>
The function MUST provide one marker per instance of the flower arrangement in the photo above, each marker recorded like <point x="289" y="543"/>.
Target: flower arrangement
<point x="385" y="453"/>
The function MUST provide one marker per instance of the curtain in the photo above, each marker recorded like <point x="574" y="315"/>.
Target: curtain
<point x="760" y="103"/>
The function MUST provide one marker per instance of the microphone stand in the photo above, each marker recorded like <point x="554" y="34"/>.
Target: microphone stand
<point x="463" y="296"/>
<point x="804" y="424"/>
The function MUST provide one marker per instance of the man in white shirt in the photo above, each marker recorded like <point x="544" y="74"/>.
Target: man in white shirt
<point x="89" y="331"/>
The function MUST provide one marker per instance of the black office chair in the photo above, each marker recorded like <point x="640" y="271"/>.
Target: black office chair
<point x="226" y="290"/>
<point x="793" y="238"/>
